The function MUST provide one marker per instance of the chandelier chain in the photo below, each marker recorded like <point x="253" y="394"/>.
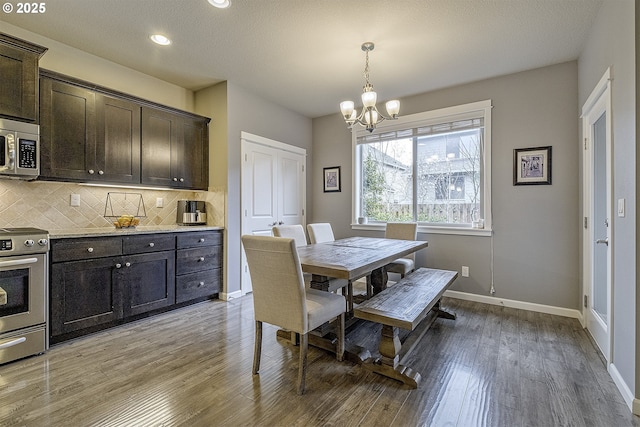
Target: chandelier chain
<point x="366" y="68"/>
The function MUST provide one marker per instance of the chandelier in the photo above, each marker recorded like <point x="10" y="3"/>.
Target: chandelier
<point x="370" y="116"/>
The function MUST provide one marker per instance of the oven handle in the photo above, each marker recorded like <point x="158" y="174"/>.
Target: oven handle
<point x="12" y="342"/>
<point x="18" y="262"/>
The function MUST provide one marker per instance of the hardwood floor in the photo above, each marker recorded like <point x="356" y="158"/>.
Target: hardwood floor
<point x="492" y="366"/>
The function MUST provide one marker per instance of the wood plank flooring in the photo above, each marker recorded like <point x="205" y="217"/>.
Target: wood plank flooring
<point x="492" y="366"/>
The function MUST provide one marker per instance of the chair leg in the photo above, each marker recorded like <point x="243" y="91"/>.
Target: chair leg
<point x="340" y="349"/>
<point x="257" y="348"/>
<point x="302" y="367"/>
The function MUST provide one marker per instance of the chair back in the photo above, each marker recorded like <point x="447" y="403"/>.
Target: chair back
<point x="402" y="231"/>
<point x="320" y="232"/>
<point x="295" y="232"/>
<point x="278" y="285"/>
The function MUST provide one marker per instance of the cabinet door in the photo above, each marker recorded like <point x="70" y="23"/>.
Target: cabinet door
<point x="67" y="131"/>
<point x="117" y="149"/>
<point x="191" y="159"/>
<point x="159" y="140"/>
<point x="84" y="294"/>
<point x="148" y="282"/>
<point x="19" y="83"/>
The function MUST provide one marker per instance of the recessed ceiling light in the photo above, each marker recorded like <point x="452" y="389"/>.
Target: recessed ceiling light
<point x="222" y="4"/>
<point x="160" y="39"/>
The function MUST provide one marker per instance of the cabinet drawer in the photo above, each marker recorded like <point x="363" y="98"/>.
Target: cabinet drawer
<point x="149" y="243"/>
<point x="198" y="259"/>
<point x="196" y="239"/>
<point x="78" y="249"/>
<point x="197" y="285"/>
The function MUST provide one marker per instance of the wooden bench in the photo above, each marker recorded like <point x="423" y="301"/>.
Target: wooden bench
<point x="404" y="305"/>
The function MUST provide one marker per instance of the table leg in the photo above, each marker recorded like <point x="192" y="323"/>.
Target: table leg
<point x="379" y="279"/>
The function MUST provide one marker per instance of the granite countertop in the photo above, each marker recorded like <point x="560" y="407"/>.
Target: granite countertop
<point x="112" y="231"/>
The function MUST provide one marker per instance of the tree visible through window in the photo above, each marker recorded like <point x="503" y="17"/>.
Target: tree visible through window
<point x="431" y="172"/>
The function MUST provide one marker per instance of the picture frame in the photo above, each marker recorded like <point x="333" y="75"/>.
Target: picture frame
<point x="331" y="179"/>
<point x="532" y="166"/>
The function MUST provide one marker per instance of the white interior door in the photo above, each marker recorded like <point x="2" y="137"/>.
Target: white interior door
<point x="598" y="216"/>
<point x="273" y="189"/>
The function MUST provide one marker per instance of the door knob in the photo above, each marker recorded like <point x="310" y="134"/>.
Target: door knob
<point x="280" y="222"/>
<point x="605" y="241"/>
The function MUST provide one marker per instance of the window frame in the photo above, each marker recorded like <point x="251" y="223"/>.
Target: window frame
<point x="442" y="115"/>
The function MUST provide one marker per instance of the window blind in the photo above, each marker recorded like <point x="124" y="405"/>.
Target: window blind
<point x="423" y="130"/>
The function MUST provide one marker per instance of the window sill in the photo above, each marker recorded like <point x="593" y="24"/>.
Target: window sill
<point x="459" y="231"/>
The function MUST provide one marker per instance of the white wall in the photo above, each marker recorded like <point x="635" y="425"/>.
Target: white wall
<point x="249" y="113"/>
<point x="611" y="44"/>
<point x="536" y="227"/>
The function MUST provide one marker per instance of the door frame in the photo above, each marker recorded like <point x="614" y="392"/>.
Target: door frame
<point x="245" y="138"/>
<point x="600" y="95"/>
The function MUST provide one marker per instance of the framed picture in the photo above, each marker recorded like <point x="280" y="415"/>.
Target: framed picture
<point x="532" y="166"/>
<point x="331" y="179"/>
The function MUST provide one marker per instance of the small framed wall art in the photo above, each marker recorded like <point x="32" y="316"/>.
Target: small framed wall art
<point x="532" y="166"/>
<point x="331" y="178"/>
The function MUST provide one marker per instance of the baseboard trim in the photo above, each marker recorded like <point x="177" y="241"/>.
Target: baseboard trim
<point x="540" y="308"/>
<point x="229" y="296"/>
<point x="627" y="394"/>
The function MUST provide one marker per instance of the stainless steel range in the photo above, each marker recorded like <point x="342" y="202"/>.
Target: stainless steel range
<point x="24" y="286"/>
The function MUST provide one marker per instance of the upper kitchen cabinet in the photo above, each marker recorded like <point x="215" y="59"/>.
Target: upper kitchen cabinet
<point x="88" y="136"/>
<point x="175" y="149"/>
<point x="19" y="78"/>
<point x="92" y="134"/>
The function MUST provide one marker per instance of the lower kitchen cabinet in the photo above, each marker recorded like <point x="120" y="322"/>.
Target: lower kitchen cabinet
<point x="100" y="282"/>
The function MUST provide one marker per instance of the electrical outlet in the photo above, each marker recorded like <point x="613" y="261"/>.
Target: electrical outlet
<point x="75" y="200"/>
<point x="465" y="271"/>
<point x="159" y="202"/>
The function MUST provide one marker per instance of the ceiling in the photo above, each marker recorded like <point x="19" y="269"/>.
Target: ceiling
<point x="305" y="55"/>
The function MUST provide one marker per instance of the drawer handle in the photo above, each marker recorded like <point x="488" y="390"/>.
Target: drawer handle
<point x="201" y="284"/>
<point x="151" y="244"/>
<point x="202" y="240"/>
<point x="118" y="265"/>
<point x="127" y="264"/>
<point x="11" y="342"/>
<point x="201" y="259"/>
<point x="90" y="250"/>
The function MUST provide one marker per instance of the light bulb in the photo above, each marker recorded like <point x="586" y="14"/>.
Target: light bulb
<point x="393" y="107"/>
<point x="369" y="99"/>
<point x="346" y="107"/>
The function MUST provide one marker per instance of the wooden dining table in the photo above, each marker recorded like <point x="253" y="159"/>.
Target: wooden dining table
<point x="354" y="257"/>
<point x="347" y="260"/>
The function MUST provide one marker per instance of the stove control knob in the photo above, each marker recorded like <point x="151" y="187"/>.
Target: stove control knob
<point x="29" y="243"/>
<point x="43" y="242"/>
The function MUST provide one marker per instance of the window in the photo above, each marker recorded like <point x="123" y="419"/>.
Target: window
<point x="432" y="167"/>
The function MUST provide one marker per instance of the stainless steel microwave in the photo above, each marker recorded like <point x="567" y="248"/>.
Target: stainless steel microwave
<point x="19" y="149"/>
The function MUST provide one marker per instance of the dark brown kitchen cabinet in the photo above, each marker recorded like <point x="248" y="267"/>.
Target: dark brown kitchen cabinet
<point x="95" y="281"/>
<point x="19" y="78"/>
<point x="100" y="282"/>
<point x="88" y="136"/>
<point x="175" y="149"/>
<point x="198" y="265"/>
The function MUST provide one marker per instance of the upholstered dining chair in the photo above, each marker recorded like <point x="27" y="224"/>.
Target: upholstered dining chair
<point x="320" y="232"/>
<point x="295" y="232"/>
<point x="280" y="297"/>
<point x="402" y="231"/>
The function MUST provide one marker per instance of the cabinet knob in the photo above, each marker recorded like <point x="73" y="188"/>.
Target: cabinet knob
<point x="118" y="265"/>
<point x="91" y="171"/>
<point x="201" y="259"/>
<point x="100" y="172"/>
<point x="151" y="244"/>
<point x="202" y="240"/>
<point x="127" y="264"/>
<point x="90" y="250"/>
<point x="181" y="179"/>
<point x="201" y="284"/>
<point x="175" y="179"/>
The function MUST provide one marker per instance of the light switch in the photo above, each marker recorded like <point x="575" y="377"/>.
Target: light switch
<point x="75" y="200"/>
<point x="621" y="208"/>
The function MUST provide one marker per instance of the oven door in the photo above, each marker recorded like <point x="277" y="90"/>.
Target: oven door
<point x="22" y="291"/>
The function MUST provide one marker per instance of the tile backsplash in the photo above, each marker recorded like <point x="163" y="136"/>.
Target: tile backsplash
<point x="47" y="205"/>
